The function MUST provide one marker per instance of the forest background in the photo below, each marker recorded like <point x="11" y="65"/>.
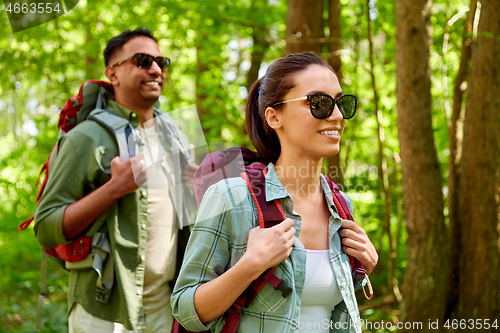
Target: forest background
<point x="420" y="159"/>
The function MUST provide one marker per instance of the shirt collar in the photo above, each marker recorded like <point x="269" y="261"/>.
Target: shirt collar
<point x="276" y="190"/>
<point x="123" y="112"/>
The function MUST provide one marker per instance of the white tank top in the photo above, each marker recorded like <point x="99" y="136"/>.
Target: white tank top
<point x="320" y="295"/>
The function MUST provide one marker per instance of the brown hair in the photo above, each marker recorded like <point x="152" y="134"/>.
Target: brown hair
<point x="269" y="90"/>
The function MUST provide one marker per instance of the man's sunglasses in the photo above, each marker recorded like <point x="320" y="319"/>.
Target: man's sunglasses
<point x="144" y="60"/>
<point x="322" y="105"/>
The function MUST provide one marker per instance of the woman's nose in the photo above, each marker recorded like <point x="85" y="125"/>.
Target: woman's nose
<point x="336" y="114"/>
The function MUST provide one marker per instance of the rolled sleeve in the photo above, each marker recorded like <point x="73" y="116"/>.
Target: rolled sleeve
<point x="65" y="185"/>
<point x="50" y="232"/>
<point x="207" y="256"/>
<point x="188" y="317"/>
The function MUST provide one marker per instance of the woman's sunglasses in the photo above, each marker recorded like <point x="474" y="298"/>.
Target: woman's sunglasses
<point x="144" y="60"/>
<point x="322" y="105"/>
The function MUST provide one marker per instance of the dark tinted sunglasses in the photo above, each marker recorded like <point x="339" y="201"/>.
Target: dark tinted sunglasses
<point x="144" y="60"/>
<point x="322" y="105"/>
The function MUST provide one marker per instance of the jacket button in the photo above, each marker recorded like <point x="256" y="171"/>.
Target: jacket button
<point x="139" y="291"/>
<point x="143" y="226"/>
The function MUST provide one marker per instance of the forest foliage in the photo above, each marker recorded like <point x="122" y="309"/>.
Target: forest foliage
<point x="211" y="44"/>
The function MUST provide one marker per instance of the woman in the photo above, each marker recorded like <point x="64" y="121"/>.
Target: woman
<point x="293" y="119"/>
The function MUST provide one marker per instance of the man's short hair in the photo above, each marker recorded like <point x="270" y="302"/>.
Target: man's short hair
<point x="116" y="43"/>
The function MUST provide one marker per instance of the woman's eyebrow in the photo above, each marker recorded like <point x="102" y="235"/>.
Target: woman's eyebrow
<point x="313" y="92"/>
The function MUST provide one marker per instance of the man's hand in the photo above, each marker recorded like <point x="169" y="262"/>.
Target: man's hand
<point x="270" y="246"/>
<point x="126" y="177"/>
<point x="187" y="177"/>
<point x="356" y="243"/>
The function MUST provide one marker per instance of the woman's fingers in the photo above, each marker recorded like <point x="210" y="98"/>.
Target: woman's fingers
<point x="355" y="242"/>
<point x="348" y="233"/>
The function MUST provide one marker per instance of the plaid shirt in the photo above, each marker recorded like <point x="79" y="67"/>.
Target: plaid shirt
<point x="219" y="239"/>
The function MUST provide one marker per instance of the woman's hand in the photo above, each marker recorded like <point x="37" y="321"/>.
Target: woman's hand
<point x="265" y="248"/>
<point x="356" y="243"/>
<point x="270" y="246"/>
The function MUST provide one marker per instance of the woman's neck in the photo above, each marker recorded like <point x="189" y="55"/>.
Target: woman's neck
<point x="299" y="175"/>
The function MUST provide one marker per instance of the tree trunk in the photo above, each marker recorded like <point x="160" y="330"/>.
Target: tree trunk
<point x="260" y="45"/>
<point x="304" y="26"/>
<point x="382" y="174"/>
<point x="480" y="255"/>
<point x="334" y="60"/>
<point x="426" y="277"/>
<point x="334" y="42"/>
<point x="455" y="142"/>
<point x="201" y="95"/>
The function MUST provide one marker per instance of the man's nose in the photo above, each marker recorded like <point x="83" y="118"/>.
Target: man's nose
<point x="155" y="69"/>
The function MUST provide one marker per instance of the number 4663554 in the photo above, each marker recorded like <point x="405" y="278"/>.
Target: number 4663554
<point x="471" y="324"/>
<point x="33" y="8"/>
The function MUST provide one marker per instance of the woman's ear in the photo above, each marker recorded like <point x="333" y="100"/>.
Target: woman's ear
<point x="273" y="118"/>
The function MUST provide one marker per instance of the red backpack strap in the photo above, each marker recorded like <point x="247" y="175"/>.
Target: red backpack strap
<point x="358" y="271"/>
<point x="269" y="214"/>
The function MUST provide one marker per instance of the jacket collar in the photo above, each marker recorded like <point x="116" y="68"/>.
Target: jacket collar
<point x="276" y="190"/>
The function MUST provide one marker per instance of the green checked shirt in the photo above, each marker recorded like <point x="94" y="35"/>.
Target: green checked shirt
<point x="82" y="165"/>
<point x="219" y="239"/>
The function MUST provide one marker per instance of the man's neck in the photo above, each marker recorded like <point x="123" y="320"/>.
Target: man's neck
<point x="145" y="112"/>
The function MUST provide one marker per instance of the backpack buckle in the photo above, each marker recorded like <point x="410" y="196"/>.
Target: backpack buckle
<point x="358" y="275"/>
<point x="224" y="153"/>
<point x="285" y="291"/>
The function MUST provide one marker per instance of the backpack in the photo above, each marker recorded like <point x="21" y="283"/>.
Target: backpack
<point x="92" y="247"/>
<point x="242" y="162"/>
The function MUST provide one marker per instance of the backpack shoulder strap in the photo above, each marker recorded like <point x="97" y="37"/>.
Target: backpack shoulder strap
<point x="119" y="127"/>
<point x="358" y="271"/>
<point x="339" y="200"/>
<point x="270" y="213"/>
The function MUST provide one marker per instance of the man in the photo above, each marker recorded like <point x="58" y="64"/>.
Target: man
<point x="140" y="219"/>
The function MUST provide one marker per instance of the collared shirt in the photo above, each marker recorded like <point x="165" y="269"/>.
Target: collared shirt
<point x="83" y="164"/>
<point x="219" y="239"/>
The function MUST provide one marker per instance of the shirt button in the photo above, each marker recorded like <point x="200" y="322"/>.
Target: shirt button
<point x="331" y="251"/>
<point x="144" y="193"/>
<point x="342" y="285"/>
<point x="143" y="258"/>
<point x="143" y="226"/>
<point x="134" y="115"/>
<point x="139" y="291"/>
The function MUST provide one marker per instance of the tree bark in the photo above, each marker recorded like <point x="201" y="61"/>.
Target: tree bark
<point x="260" y="45"/>
<point x="426" y="276"/>
<point x="334" y="60"/>
<point x="304" y="26"/>
<point x="480" y="254"/>
<point x="455" y="143"/>
<point x="382" y="174"/>
<point x="201" y="95"/>
<point x="334" y="42"/>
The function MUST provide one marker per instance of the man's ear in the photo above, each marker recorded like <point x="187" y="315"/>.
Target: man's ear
<point x="273" y="118"/>
<point x="110" y="73"/>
